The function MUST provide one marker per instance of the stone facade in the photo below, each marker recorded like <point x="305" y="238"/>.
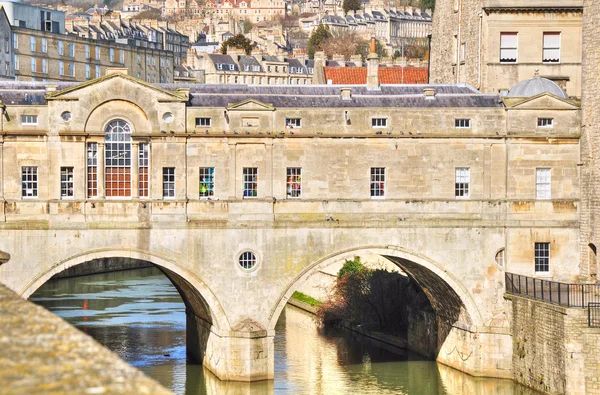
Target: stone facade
<point x="468" y="39"/>
<point x="555" y="351"/>
<point x="590" y="142"/>
<point x="460" y="186"/>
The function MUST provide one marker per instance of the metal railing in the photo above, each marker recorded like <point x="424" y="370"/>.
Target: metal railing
<point x="594" y="315"/>
<point x="563" y="294"/>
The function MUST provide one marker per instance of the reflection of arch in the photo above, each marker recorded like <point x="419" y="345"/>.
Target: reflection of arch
<point x="593" y="260"/>
<point x="447" y="295"/>
<point x="4" y="257"/>
<point x="196" y="295"/>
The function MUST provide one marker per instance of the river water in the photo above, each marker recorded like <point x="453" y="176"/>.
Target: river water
<point x="139" y="315"/>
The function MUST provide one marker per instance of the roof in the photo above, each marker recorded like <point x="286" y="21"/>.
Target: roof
<point x="535" y="86"/>
<point x="301" y="96"/>
<point x="387" y="75"/>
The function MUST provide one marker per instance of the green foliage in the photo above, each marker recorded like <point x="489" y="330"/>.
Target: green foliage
<point x="317" y="38"/>
<point x="363" y="49"/>
<point x="149" y="14"/>
<point x="351" y="5"/>
<point x="247" y="26"/>
<point x="306" y="299"/>
<point x="427" y="4"/>
<point x="353" y="266"/>
<point x="238" y="41"/>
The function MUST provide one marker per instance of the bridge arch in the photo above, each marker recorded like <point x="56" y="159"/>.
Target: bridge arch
<point x="197" y="296"/>
<point x="441" y="287"/>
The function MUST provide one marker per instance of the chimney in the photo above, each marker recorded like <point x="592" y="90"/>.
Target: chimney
<point x="340" y="59"/>
<point x="116" y="70"/>
<point x="373" y="66"/>
<point x="356" y="59"/>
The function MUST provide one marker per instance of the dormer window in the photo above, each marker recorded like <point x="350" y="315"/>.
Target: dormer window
<point x="231" y="67"/>
<point x="547" y="123"/>
<point x="219" y="66"/>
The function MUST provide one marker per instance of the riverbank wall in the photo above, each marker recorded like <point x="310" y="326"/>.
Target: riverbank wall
<point x="102" y="265"/>
<point x="41" y="353"/>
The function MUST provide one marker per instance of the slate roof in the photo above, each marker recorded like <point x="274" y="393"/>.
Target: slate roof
<point x="303" y="96"/>
<point x="246" y="60"/>
<point x="296" y="66"/>
<point x="223" y="59"/>
<point x="387" y="75"/>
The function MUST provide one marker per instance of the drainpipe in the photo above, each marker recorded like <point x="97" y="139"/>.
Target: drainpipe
<point x="428" y="59"/>
<point x="479" y="61"/>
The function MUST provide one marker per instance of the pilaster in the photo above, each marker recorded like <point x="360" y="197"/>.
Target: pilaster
<point x="135" y="190"/>
<point x="101" y="161"/>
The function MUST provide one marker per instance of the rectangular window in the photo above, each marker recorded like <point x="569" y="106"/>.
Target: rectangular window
<point x="87" y="71"/>
<point x="33" y="64"/>
<point x="87" y="51"/>
<point x="66" y="182"/>
<point x="250" y="182"/>
<point x="379" y="122"/>
<point x="294" y="182"/>
<point x="377" y="182"/>
<point x="44" y="65"/>
<point x="61" y="67"/>
<point x="138" y="59"/>
<point x="92" y="169"/>
<point x="462" y="123"/>
<point x="293" y="122"/>
<point x="121" y="56"/>
<point x="462" y="181"/>
<point x="463" y="52"/>
<point x="60" y="47"/>
<point x="71" y="49"/>
<point x="16" y="61"/>
<point x="168" y="182"/>
<point x="542" y="184"/>
<point x="202" y="122"/>
<point x="508" y="47"/>
<point x="72" y="69"/>
<point x="97" y="71"/>
<point x="44" y="45"/>
<point x="29" y="182"/>
<point x="545" y="122"/>
<point x="112" y="54"/>
<point x="542" y="257"/>
<point x="15" y="41"/>
<point x="207" y="182"/>
<point x="29" y="119"/>
<point x="32" y="43"/>
<point x="97" y="53"/>
<point x="143" y="171"/>
<point x="551" y="53"/>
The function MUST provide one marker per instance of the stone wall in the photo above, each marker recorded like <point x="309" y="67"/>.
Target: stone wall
<point x="105" y="265"/>
<point x="554" y="349"/>
<point x="590" y="141"/>
<point x="48" y="355"/>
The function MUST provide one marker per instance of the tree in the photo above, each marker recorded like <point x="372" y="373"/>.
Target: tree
<point x="315" y="42"/>
<point x="341" y="43"/>
<point x="351" y="267"/>
<point x="238" y="41"/>
<point x="247" y="26"/>
<point x="353" y="5"/>
<point x="363" y="49"/>
<point x="427" y="4"/>
<point x="149" y="14"/>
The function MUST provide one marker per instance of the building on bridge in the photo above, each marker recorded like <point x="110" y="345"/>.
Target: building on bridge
<point x="240" y="193"/>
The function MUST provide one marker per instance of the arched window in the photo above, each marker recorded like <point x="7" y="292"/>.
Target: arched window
<point x="117" y="170"/>
<point x="593" y="261"/>
<point x="500" y="257"/>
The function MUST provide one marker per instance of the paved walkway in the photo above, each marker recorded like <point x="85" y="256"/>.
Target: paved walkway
<point x="42" y="354"/>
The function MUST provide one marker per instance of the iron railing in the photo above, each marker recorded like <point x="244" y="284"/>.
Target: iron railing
<point x="563" y="294"/>
<point x="594" y="315"/>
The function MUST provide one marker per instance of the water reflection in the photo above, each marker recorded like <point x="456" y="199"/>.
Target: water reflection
<point x="139" y="315"/>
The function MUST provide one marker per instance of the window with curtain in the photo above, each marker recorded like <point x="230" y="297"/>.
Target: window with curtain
<point x="509" y="47"/>
<point x="551" y="52"/>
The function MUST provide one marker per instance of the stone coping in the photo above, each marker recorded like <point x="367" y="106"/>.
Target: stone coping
<point x="42" y="354"/>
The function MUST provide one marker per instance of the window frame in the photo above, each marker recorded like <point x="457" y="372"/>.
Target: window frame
<point x="168" y="183"/>
<point x="543" y="183"/>
<point x="206" y="176"/>
<point x="379" y="123"/>
<point x="462" y="123"/>
<point x="249" y="186"/>
<point x="508" y="48"/>
<point x="143" y="170"/>
<point x="67" y="185"/>
<point x="545" y="123"/>
<point x="541" y="257"/>
<point x="25" y="119"/>
<point x="462" y="183"/>
<point x="545" y="48"/>
<point x="92" y="169"/>
<point x="202" y="121"/>
<point x="377" y="182"/>
<point x="29" y="176"/>
<point x="293" y="183"/>
<point x="293" y="123"/>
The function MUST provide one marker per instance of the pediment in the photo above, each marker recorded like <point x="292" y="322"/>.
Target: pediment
<point x="117" y="84"/>
<point x="250" y="105"/>
<point x="544" y="101"/>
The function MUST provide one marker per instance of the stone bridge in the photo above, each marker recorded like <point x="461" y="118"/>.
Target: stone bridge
<point x="241" y="193"/>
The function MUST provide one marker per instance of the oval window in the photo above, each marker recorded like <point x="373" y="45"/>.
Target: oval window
<point x="247" y="260"/>
<point x="66" y="116"/>
<point x="168" y="117"/>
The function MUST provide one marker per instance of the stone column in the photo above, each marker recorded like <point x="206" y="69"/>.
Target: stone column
<point x="134" y="170"/>
<point x="231" y="190"/>
<point x="101" y="162"/>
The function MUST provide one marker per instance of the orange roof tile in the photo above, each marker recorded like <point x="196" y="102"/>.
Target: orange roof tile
<point x="387" y="75"/>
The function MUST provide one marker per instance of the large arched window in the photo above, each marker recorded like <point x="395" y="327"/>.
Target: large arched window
<point x="117" y="170"/>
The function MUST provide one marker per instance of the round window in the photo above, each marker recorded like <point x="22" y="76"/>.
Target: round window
<point x="247" y="260"/>
<point x="168" y="117"/>
<point x="66" y="116"/>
